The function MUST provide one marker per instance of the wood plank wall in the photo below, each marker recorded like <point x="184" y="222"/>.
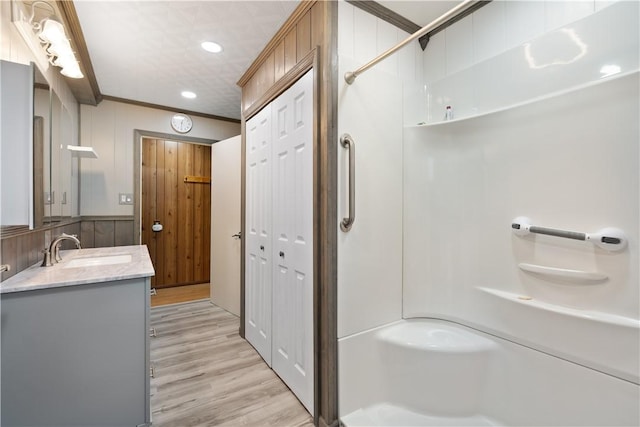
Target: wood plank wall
<point x="23" y="250"/>
<point x="103" y="232"/>
<point x="297" y="37"/>
<point x="313" y="25"/>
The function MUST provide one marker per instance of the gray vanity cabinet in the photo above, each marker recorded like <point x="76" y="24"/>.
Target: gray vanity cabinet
<point x="76" y="355"/>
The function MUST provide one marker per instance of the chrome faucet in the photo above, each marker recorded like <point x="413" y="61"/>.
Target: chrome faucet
<point x="52" y="254"/>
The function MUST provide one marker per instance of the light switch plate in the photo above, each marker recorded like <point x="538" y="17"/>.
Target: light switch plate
<point x="125" y="198"/>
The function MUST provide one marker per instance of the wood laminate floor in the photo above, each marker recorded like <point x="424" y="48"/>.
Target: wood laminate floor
<point x="206" y="375"/>
<point x="178" y="294"/>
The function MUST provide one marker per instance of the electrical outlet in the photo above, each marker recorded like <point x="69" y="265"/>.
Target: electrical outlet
<point x="125" y="198"/>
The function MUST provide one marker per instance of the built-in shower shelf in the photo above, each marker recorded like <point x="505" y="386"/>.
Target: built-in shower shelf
<point x="591" y="315"/>
<point x="564" y="273"/>
<point x="83" y="152"/>
<point x="517" y="104"/>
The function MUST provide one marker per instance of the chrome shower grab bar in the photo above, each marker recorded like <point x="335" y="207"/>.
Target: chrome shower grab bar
<point x="557" y="233"/>
<point x="609" y="239"/>
<point x="350" y="76"/>
<point x="347" y="142"/>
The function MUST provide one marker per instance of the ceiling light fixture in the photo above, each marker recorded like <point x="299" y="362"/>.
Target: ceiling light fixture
<point x="188" y="94"/>
<point x="211" y="47"/>
<point x="55" y="42"/>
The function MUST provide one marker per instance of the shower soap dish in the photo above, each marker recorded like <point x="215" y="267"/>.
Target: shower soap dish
<point x="563" y="273"/>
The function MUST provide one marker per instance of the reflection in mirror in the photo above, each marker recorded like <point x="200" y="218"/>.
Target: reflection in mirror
<point x="55" y="173"/>
<point x="41" y="150"/>
<point x="38" y="166"/>
<point x="55" y="196"/>
<point x="16" y="136"/>
<point x="65" y="170"/>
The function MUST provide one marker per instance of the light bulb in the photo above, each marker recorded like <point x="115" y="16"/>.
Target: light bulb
<point x="52" y="32"/>
<point x="72" y="70"/>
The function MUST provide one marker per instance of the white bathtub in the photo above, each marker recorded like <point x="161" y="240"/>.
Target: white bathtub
<point x="426" y="372"/>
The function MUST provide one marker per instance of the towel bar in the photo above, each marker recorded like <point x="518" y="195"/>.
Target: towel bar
<point x="609" y="239"/>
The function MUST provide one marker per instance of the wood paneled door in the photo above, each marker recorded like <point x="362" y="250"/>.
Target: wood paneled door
<point x="176" y="194"/>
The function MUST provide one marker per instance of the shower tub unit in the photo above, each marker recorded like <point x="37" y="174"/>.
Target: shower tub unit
<point x="505" y="325"/>
<point x="429" y="372"/>
<point x="507" y="291"/>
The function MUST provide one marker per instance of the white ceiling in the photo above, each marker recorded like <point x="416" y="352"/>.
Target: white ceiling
<point x="149" y="51"/>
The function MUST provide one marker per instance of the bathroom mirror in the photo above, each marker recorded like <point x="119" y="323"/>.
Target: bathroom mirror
<point x="67" y="170"/>
<point x="41" y="151"/>
<point x="45" y="191"/>
<point x="60" y="167"/>
<point x="16" y="149"/>
<point x="55" y="196"/>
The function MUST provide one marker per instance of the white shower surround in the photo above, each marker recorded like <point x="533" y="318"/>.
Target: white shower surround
<point x="459" y="257"/>
<point x="544" y="352"/>
<point x="568" y="161"/>
<point x="557" y="58"/>
<point x="436" y="373"/>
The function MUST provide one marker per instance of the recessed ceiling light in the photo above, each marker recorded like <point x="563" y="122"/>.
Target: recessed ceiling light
<point x="188" y="94"/>
<point x="211" y="47"/>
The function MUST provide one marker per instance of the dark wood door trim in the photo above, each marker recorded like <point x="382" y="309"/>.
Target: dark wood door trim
<point x="327" y="388"/>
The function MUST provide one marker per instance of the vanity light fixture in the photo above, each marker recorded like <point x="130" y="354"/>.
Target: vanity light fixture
<point x="55" y="42"/>
<point x="188" y="94"/>
<point x="212" y="47"/>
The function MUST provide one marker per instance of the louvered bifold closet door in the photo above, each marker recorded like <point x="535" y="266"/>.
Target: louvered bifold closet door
<point x="258" y="225"/>
<point x="292" y="254"/>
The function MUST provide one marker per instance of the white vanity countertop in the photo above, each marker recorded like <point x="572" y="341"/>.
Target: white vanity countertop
<point x="37" y="277"/>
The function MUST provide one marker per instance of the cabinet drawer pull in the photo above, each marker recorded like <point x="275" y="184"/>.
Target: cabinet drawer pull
<point x="152" y="332"/>
<point x="152" y="372"/>
<point x="154" y="292"/>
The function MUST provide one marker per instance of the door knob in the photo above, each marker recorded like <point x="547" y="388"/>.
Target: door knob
<point x="238" y="235"/>
<point x="282" y="254"/>
<point x="261" y="248"/>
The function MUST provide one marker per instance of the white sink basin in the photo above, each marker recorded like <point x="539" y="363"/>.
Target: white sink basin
<point x="98" y="261"/>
